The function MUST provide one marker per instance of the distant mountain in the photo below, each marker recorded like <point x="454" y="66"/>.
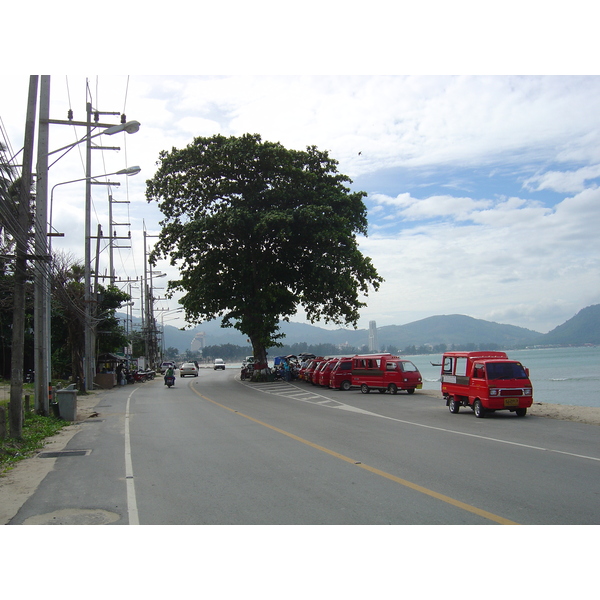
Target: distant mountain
<point x="454" y="329"/>
<point x="583" y="328"/>
<point x="445" y="329"/>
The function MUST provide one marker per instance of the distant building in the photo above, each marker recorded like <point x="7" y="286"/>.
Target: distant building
<point x="198" y="341"/>
<point x="373" y="345"/>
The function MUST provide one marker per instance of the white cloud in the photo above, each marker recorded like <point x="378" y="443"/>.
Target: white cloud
<point x="513" y="250"/>
<point x="458" y="249"/>
<point x="563" y="181"/>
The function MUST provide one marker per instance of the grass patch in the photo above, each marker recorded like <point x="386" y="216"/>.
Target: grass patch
<point x="35" y="431"/>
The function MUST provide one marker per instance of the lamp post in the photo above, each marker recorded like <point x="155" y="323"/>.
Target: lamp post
<point x="89" y="366"/>
<point x="128" y="171"/>
<point x="151" y="348"/>
<point x="162" y="326"/>
<point x="42" y="295"/>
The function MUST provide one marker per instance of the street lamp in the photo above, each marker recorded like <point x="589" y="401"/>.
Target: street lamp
<point x="42" y="303"/>
<point x="129" y="127"/>
<point x="129" y="171"/>
<point x="45" y="334"/>
<point x="89" y="337"/>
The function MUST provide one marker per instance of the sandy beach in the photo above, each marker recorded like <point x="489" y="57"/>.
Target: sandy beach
<point x="566" y="412"/>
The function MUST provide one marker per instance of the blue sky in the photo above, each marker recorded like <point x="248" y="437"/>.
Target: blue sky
<point x="483" y="194"/>
<point x="481" y="165"/>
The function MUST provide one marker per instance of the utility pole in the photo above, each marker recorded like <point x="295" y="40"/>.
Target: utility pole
<point x="88" y="353"/>
<point x="21" y="239"/>
<point x="113" y="235"/>
<point x="42" y="272"/>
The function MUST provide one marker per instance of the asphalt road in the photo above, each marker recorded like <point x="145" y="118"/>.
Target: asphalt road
<point x="217" y="450"/>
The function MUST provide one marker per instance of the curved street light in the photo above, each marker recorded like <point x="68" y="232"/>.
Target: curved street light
<point x="129" y="171"/>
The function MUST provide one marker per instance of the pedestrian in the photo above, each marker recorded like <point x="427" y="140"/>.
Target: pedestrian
<point x="119" y="372"/>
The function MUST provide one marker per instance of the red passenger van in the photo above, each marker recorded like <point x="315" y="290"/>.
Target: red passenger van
<point x="386" y="373"/>
<point x="321" y="376"/>
<point x="310" y="369"/>
<point x="485" y="381"/>
<point x="340" y="377"/>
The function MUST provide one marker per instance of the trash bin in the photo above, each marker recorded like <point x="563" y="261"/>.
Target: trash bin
<point x="67" y="404"/>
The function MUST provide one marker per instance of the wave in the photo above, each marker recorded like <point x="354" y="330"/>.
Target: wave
<point x="589" y="378"/>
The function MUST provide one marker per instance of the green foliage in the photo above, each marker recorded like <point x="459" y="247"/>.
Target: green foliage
<point x="583" y="328"/>
<point x="170" y="353"/>
<point x="257" y="231"/>
<point x="35" y="430"/>
<point x="228" y="352"/>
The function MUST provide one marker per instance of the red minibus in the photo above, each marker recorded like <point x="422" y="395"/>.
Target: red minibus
<point x="321" y="376"/>
<point x="486" y="382"/>
<point x="308" y="373"/>
<point x="340" y="377"/>
<point x="386" y="373"/>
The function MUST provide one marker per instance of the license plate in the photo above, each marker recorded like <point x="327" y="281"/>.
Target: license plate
<point x="420" y="386"/>
<point x="511" y="402"/>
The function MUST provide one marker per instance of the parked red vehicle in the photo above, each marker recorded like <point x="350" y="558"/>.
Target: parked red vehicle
<point x="340" y="377"/>
<point x="308" y="373"/>
<point x="385" y="373"/>
<point x="321" y="376"/>
<point x="486" y="382"/>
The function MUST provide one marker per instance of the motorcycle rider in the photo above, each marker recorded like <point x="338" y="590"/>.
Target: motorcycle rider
<point x="169" y="373"/>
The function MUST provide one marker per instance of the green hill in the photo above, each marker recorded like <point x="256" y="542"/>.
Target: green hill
<point x="583" y="328"/>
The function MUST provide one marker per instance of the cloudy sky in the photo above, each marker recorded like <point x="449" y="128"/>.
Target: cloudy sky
<point x="483" y="195"/>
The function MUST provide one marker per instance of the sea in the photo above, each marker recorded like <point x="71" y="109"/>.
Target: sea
<point x="559" y="375"/>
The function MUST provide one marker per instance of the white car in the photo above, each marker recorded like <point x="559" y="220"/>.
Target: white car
<point x="219" y="364"/>
<point x="188" y="369"/>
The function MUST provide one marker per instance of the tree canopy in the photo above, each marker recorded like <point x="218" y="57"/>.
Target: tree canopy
<point x="257" y="231"/>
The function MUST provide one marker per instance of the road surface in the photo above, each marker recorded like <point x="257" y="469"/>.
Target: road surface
<point x="217" y="450"/>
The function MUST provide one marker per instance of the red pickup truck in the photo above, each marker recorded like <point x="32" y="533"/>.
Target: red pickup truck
<point x="485" y="382"/>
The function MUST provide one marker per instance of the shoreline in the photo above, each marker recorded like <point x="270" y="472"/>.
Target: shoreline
<point x="565" y="412"/>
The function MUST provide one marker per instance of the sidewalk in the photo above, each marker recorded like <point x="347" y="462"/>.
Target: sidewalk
<point x="19" y="483"/>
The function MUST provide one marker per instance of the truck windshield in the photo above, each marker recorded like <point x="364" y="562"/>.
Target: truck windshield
<point x="407" y="366"/>
<point x="505" y="370"/>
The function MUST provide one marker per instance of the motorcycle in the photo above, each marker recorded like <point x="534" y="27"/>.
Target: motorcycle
<point x="169" y="381"/>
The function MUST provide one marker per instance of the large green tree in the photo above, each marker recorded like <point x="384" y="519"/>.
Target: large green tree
<point x="258" y="231"/>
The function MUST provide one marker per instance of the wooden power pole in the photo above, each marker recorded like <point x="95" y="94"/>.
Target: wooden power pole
<point x="21" y="242"/>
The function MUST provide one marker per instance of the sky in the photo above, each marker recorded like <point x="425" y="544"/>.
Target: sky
<point x="483" y="191"/>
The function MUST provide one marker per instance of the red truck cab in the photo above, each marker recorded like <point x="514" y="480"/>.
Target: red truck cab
<point x="486" y="382"/>
<point x="386" y="373"/>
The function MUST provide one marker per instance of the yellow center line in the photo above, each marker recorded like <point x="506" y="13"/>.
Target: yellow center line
<point x="409" y="484"/>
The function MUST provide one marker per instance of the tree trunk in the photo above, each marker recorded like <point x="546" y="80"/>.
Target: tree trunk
<point x="260" y="361"/>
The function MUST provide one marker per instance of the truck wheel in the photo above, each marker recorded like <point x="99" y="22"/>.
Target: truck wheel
<point x="364" y="388"/>
<point x="411" y="390"/>
<point x="345" y="386"/>
<point x="393" y="388"/>
<point x="478" y="409"/>
<point x="521" y="412"/>
<point x="453" y="406"/>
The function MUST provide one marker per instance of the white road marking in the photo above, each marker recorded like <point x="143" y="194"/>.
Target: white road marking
<point x="132" y="509"/>
<point x="325" y="402"/>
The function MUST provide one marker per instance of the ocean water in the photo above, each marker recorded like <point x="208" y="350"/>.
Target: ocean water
<point x="559" y="375"/>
